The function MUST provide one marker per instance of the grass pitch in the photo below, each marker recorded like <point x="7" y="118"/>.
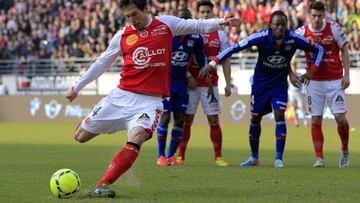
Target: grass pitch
<point x="30" y="153"/>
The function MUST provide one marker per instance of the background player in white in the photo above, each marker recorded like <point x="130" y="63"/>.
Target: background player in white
<point x="210" y="101"/>
<point x="296" y="99"/>
<point x="135" y="105"/>
<point x="329" y="82"/>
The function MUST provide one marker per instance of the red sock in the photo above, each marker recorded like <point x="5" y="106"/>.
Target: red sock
<point x="184" y="140"/>
<point x="121" y="162"/>
<point x="344" y="136"/>
<point x="318" y="140"/>
<point x="216" y="139"/>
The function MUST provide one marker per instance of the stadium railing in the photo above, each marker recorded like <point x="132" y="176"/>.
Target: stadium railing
<point x="36" y="67"/>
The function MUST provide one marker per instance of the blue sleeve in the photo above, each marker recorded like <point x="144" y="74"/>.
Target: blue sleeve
<point x="253" y="40"/>
<point x="199" y="51"/>
<point x="316" y="49"/>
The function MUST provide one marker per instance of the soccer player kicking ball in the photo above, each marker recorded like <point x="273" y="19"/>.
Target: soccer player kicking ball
<point x="182" y="50"/>
<point x="276" y="47"/>
<point x="135" y="104"/>
<point x="328" y="83"/>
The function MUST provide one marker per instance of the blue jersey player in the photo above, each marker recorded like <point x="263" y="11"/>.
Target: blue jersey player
<point x="183" y="48"/>
<point x="276" y="46"/>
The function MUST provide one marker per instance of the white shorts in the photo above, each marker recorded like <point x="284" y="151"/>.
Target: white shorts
<point x="199" y="94"/>
<point x="330" y="92"/>
<point x="123" y="110"/>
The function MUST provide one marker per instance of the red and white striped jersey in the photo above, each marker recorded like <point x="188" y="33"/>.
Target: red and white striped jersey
<point x="214" y="43"/>
<point x="332" y="39"/>
<point x="146" y="54"/>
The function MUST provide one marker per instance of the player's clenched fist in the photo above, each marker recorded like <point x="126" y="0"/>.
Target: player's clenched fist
<point x="71" y="95"/>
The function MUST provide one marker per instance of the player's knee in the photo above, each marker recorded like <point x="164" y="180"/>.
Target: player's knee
<point x="188" y="120"/>
<point x="213" y="119"/>
<point x="165" y="119"/>
<point x="79" y="138"/>
<point x="179" y="123"/>
<point x="341" y="120"/>
<point x="255" y="119"/>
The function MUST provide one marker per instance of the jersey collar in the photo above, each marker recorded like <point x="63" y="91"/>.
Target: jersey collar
<point x="312" y="29"/>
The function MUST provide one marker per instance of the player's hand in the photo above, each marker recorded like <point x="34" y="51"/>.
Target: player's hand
<point x="71" y="95"/>
<point x="204" y="71"/>
<point x="191" y="82"/>
<point x="227" y="91"/>
<point x="232" y="22"/>
<point x="345" y="82"/>
<point x="295" y="80"/>
<point x="305" y="78"/>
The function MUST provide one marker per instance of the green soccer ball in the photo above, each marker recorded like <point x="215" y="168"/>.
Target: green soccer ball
<point x="65" y="183"/>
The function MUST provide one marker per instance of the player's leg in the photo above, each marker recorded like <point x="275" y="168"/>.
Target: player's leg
<point x="260" y="104"/>
<point x="122" y="161"/>
<point x="211" y="107"/>
<point x="279" y="104"/>
<point x="162" y="131"/>
<point x="193" y="102"/>
<point x="188" y="120"/>
<point x="316" y="101"/>
<point x="254" y="140"/>
<point x="176" y="136"/>
<point x="141" y="120"/>
<point x="343" y="131"/>
<point x="337" y="104"/>
<point x="280" y="133"/>
<point x="301" y="106"/>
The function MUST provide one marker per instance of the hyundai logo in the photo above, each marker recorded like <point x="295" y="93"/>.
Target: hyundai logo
<point x="276" y="59"/>
<point x="179" y="56"/>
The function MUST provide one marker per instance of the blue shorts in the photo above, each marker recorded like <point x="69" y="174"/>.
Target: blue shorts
<point x="264" y="100"/>
<point x="178" y="99"/>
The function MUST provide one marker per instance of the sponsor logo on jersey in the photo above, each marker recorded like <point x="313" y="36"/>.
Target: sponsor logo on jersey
<point x="214" y="43"/>
<point x="144" y="119"/>
<point x="275" y="61"/>
<point x="144" y="33"/>
<point x="179" y="56"/>
<point x="131" y="39"/>
<point x="159" y="30"/>
<point x="142" y="56"/>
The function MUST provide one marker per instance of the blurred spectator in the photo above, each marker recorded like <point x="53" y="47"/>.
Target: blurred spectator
<point x="82" y="28"/>
<point x="4" y="90"/>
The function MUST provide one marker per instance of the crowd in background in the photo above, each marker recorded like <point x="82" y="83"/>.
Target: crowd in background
<point x="51" y="29"/>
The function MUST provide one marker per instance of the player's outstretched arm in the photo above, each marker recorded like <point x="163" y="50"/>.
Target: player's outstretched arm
<point x="253" y="40"/>
<point x="181" y="26"/>
<point x="102" y="63"/>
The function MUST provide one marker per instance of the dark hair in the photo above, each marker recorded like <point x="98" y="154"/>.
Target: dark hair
<point x="277" y="13"/>
<point x="140" y="4"/>
<point x="204" y="3"/>
<point x="184" y="13"/>
<point x="317" y="6"/>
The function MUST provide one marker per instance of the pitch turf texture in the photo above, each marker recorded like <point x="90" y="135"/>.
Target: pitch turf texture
<point x="30" y="153"/>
